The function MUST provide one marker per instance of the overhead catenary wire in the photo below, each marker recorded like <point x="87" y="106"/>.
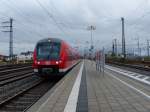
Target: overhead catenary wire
<point x="66" y="24"/>
<point x="32" y="21"/>
<point x="25" y="19"/>
<point x="51" y="16"/>
<point x="20" y="13"/>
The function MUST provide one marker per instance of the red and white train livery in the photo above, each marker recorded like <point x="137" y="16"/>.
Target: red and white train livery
<point x="53" y="56"/>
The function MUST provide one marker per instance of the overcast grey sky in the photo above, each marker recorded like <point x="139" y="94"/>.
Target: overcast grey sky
<point x="68" y="20"/>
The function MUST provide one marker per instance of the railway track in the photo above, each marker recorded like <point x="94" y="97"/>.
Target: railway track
<point x="27" y="92"/>
<point x="9" y="71"/>
<point x="6" y="67"/>
<point x="20" y="88"/>
<point x="134" y="68"/>
<point x="15" y="73"/>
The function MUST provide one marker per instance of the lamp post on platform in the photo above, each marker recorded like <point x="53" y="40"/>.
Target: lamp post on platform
<point x="91" y="28"/>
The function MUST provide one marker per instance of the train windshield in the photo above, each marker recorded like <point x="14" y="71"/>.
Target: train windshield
<point x="48" y="51"/>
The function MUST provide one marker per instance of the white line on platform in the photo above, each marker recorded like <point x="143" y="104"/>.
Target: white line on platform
<point x="130" y="86"/>
<point x="122" y="72"/>
<point x="41" y="108"/>
<point x="73" y="97"/>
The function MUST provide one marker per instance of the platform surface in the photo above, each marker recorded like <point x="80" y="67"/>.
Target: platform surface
<point x="107" y="94"/>
<point x="86" y="90"/>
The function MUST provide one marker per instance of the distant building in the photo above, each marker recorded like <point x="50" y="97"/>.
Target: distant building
<point x="24" y="56"/>
<point x="2" y="57"/>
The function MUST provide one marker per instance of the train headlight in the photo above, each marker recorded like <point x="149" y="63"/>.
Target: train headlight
<point x="38" y="62"/>
<point x="57" y="62"/>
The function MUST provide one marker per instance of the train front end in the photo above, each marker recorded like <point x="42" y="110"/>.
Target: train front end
<point x="47" y="57"/>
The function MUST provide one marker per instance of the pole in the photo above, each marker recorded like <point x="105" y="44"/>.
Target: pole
<point x="115" y="42"/>
<point x="133" y="52"/>
<point x="148" y="48"/>
<point x="113" y="48"/>
<point x="138" y="44"/>
<point x="123" y="40"/>
<point x="103" y="61"/>
<point x="92" y="47"/>
<point x="11" y="38"/>
<point x="10" y="31"/>
<point x="91" y="44"/>
<point x="91" y="38"/>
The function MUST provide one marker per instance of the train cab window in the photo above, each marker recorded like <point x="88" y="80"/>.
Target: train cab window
<point x="47" y="51"/>
<point x="55" y="50"/>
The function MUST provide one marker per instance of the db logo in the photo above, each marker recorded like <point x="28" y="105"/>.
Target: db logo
<point x="47" y="63"/>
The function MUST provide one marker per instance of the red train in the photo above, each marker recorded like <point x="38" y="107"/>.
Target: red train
<point x="53" y="56"/>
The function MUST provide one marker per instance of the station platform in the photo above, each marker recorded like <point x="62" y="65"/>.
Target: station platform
<point x="84" y="89"/>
